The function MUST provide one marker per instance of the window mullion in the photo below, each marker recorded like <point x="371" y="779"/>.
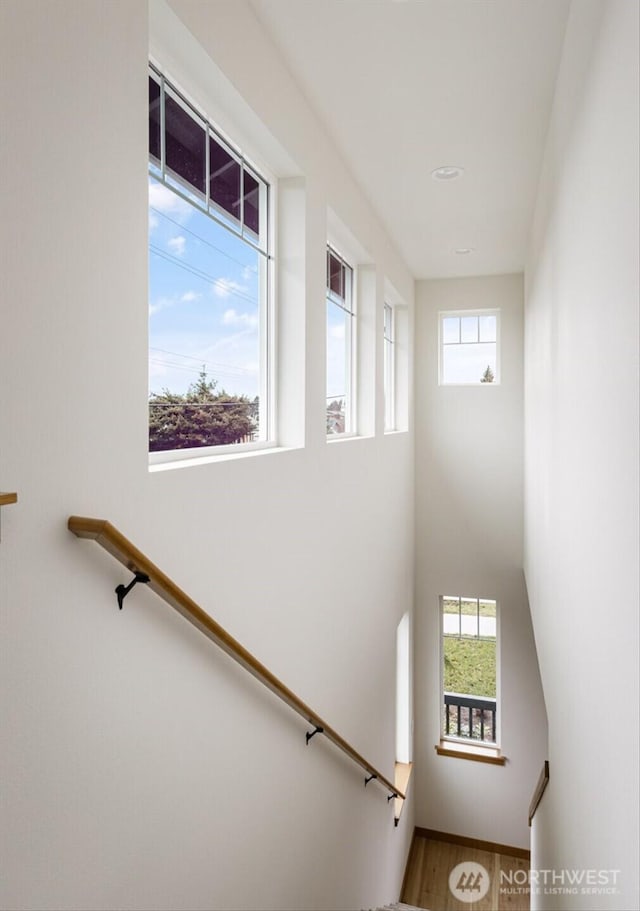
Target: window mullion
<point x="163" y="153"/>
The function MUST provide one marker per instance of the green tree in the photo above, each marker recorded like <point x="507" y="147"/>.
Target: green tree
<point x="487" y="376"/>
<point x="199" y="417"/>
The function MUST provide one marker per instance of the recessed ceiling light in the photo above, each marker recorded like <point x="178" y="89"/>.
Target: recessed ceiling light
<point x="462" y="251"/>
<point x="447" y="172"/>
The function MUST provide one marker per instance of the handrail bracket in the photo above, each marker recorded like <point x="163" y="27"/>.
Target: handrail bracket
<point x="123" y="590"/>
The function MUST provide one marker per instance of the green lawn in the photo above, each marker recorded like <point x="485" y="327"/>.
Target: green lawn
<point x="470" y="666"/>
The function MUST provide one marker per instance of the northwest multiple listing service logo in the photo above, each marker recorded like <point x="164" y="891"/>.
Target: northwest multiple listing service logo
<point x="470" y="882"/>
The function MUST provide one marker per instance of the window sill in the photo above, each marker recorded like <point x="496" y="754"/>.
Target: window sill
<point x="226" y="456"/>
<point x="474" y="753"/>
<point x="337" y="439"/>
<point x="402" y="774"/>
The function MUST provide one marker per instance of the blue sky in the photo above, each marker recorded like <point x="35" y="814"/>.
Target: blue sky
<point x="203" y="299"/>
<point x="336" y="357"/>
<point x="203" y="303"/>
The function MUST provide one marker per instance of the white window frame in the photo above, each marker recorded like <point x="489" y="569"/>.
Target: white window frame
<point x="462" y="314"/>
<point x="267" y="328"/>
<point x="348" y="305"/>
<point x="468" y="741"/>
<point x="389" y="366"/>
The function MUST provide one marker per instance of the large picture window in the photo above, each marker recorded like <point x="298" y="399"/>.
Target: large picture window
<point x="209" y="276"/>
<point x="340" y="337"/>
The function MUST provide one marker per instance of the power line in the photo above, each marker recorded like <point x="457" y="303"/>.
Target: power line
<point x="202" y="240"/>
<point x="219" y="282"/>
<point x="194" y="370"/>
<point x="199" y="360"/>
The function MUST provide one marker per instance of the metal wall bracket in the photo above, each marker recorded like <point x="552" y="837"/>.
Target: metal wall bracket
<point x="311" y="734"/>
<point x="391" y="796"/>
<point x="370" y="778"/>
<point x="123" y="590"/>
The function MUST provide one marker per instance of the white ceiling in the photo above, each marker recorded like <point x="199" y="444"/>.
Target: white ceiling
<point x="406" y="86"/>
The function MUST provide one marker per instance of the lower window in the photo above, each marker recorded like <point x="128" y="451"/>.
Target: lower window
<point x="469" y="648"/>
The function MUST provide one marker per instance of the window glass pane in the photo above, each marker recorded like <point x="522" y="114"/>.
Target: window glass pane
<point x="207" y="291"/>
<point x="470" y="666"/>
<point x="336" y="276"/>
<point x="185" y="141"/>
<point x="337" y="367"/>
<point x="488" y="325"/>
<point x="469" y="328"/>
<point x="224" y="180"/>
<point x="451" y="616"/>
<point x="389" y="390"/>
<point x="251" y="203"/>
<point x="450" y="330"/>
<point x="468" y="363"/>
<point x="154" y="119"/>
<point x="488" y="619"/>
<point x="469" y="616"/>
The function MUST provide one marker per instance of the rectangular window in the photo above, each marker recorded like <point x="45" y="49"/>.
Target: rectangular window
<point x="403" y="690"/>
<point x="209" y="275"/>
<point x="340" y="335"/>
<point x="469" y="347"/>
<point x="469" y="697"/>
<point x="389" y="368"/>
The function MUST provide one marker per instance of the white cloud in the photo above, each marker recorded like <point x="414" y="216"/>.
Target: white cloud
<point x="165" y="303"/>
<point x="167" y="202"/>
<point x="223" y="287"/>
<point x="337" y="331"/>
<point x="231" y="317"/>
<point x="177" y="244"/>
<point x="161" y="303"/>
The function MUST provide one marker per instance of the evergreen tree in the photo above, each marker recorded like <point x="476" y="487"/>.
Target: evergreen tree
<point x="199" y="417"/>
<point x="487" y="376"/>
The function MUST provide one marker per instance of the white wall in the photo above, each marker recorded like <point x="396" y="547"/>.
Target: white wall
<point x="141" y="769"/>
<point x="581" y="548"/>
<point x="469" y="502"/>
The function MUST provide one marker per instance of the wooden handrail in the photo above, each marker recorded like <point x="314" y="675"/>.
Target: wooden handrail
<point x="7" y="498"/>
<point x="539" y="791"/>
<point x="123" y="550"/>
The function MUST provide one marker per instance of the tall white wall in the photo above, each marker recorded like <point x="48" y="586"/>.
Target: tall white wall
<point x="141" y="768"/>
<point x="469" y="502"/>
<point x="581" y="501"/>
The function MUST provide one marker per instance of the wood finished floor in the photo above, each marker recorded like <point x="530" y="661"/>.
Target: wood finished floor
<point x="427" y="878"/>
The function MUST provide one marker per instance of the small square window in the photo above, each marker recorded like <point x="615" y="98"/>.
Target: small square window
<point x="469" y="348"/>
